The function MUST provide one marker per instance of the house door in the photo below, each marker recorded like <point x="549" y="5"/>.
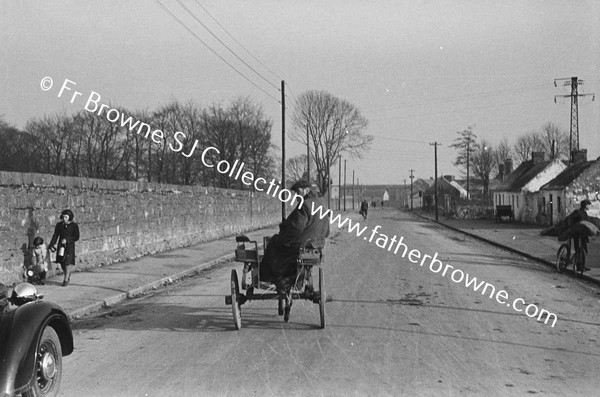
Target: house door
<point x="551" y="211"/>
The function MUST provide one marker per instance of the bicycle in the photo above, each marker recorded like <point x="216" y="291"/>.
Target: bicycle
<point x="564" y="258"/>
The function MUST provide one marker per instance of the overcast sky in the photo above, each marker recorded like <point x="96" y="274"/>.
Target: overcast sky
<point x="418" y="70"/>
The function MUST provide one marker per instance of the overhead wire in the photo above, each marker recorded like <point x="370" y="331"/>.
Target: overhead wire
<point x="225" y="45"/>
<point x="212" y="50"/>
<point x="240" y="44"/>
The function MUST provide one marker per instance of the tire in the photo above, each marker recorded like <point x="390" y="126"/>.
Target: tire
<point x="48" y="366"/>
<point x="562" y="257"/>
<point x="322" y="297"/>
<point x="235" y="300"/>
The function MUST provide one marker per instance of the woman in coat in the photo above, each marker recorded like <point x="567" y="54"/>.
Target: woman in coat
<point x="66" y="233"/>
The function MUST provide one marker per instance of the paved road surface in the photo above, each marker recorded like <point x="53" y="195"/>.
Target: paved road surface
<point x="394" y="328"/>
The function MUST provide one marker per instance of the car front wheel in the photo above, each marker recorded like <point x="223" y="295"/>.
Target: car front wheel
<point x="48" y="366"/>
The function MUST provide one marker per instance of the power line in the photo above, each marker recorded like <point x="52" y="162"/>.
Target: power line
<point x="240" y="44"/>
<point x="211" y="50"/>
<point x="225" y="45"/>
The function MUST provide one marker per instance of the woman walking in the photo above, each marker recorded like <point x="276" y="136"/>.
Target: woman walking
<point x="66" y="233"/>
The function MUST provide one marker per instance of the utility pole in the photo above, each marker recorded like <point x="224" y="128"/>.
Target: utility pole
<point x="404" y="202"/>
<point x="307" y="157"/>
<point x="328" y="181"/>
<point x="411" y="189"/>
<point x="352" y="189"/>
<point x="574" y="130"/>
<point x="344" y="184"/>
<point x="340" y="184"/>
<point x="282" y="145"/>
<point x="435" y="178"/>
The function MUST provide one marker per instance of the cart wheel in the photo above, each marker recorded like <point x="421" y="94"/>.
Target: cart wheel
<point x="562" y="258"/>
<point x="235" y="300"/>
<point x="322" y="297"/>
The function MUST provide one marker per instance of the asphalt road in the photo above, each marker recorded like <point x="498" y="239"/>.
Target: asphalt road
<point x="393" y="328"/>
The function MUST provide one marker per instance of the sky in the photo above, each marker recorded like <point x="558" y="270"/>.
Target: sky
<point x="419" y="71"/>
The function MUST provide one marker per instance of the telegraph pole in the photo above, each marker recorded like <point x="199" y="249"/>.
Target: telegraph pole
<point x="574" y="130"/>
<point x="340" y="184"/>
<point x="344" y="184"/>
<point x="435" y="178"/>
<point x="282" y="145"/>
<point x="411" y="189"/>
<point x="353" y="189"/>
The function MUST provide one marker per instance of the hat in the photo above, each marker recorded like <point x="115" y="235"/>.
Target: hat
<point x="300" y="185"/>
<point x="585" y="202"/>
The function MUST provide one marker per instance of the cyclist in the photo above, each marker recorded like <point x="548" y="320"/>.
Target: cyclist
<point x="573" y="219"/>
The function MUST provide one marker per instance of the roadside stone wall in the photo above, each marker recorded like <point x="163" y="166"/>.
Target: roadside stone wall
<point x="120" y="220"/>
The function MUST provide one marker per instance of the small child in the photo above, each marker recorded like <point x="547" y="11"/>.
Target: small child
<point x="40" y="263"/>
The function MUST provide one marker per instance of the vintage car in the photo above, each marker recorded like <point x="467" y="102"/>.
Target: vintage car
<point x="34" y="335"/>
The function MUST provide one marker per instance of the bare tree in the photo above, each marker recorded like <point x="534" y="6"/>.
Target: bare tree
<point x="526" y="145"/>
<point x="555" y="141"/>
<point x="465" y="144"/>
<point x="482" y="164"/>
<point x="295" y="168"/>
<point x="18" y="150"/>
<point x="330" y="126"/>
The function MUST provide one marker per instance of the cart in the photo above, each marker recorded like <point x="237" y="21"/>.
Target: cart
<point x="247" y="252"/>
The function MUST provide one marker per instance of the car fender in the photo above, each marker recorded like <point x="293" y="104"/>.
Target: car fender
<point x="20" y="332"/>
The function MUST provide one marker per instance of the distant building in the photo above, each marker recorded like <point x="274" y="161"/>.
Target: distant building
<point x="519" y="189"/>
<point x="564" y="193"/>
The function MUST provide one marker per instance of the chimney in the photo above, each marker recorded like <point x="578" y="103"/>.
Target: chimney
<point x="537" y="157"/>
<point x="501" y="172"/>
<point x="508" y="167"/>
<point x="579" y="156"/>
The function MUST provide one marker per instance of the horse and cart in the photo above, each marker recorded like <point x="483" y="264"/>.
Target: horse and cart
<point x="300" y="286"/>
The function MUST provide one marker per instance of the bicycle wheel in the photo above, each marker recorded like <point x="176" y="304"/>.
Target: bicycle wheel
<point x="235" y="300"/>
<point x="562" y="257"/>
<point x="322" y="298"/>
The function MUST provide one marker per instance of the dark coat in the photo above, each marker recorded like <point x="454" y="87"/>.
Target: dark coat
<point x="69" y="232"/>
<point x="297" y="229"/>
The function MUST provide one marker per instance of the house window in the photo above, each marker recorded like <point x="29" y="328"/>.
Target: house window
<point x="517" y="202"/>
<point x="558" y="205"/>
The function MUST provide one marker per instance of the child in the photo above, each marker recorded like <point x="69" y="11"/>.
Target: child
<point x="40" y="264"/>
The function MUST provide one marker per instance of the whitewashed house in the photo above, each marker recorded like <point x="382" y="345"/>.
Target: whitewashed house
<point x="521" y="187"/>
<point x="563" y="194"/>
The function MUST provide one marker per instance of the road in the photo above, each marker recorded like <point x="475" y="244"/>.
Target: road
<point x="394" y="328"/>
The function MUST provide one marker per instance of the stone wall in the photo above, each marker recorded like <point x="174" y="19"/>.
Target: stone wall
<point x="120" y="220"/>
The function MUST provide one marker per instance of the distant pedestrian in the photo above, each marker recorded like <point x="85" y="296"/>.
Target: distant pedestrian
<point x="40" y="262"/>
<point x="364" y="208"/>
<point x="66" y="233"/>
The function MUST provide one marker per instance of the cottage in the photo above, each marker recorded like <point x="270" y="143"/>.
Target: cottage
<point x="563" y="194"/>
<point x="520" y="188"/>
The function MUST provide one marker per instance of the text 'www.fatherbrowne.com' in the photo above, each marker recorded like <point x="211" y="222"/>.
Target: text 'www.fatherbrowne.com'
<point x="398" y="246"/>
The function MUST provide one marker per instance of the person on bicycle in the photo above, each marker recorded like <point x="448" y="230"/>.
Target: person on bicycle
<point x="301" y="226"/>
<point x="573" y="219"/>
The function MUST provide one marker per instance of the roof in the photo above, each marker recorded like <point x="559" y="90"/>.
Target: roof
<point x="524" y="173"/>
<point x="568" y="175"/>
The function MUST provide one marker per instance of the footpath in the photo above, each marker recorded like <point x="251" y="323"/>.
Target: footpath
<point x="522" y="239"/>
<point x="91" y="290"/>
